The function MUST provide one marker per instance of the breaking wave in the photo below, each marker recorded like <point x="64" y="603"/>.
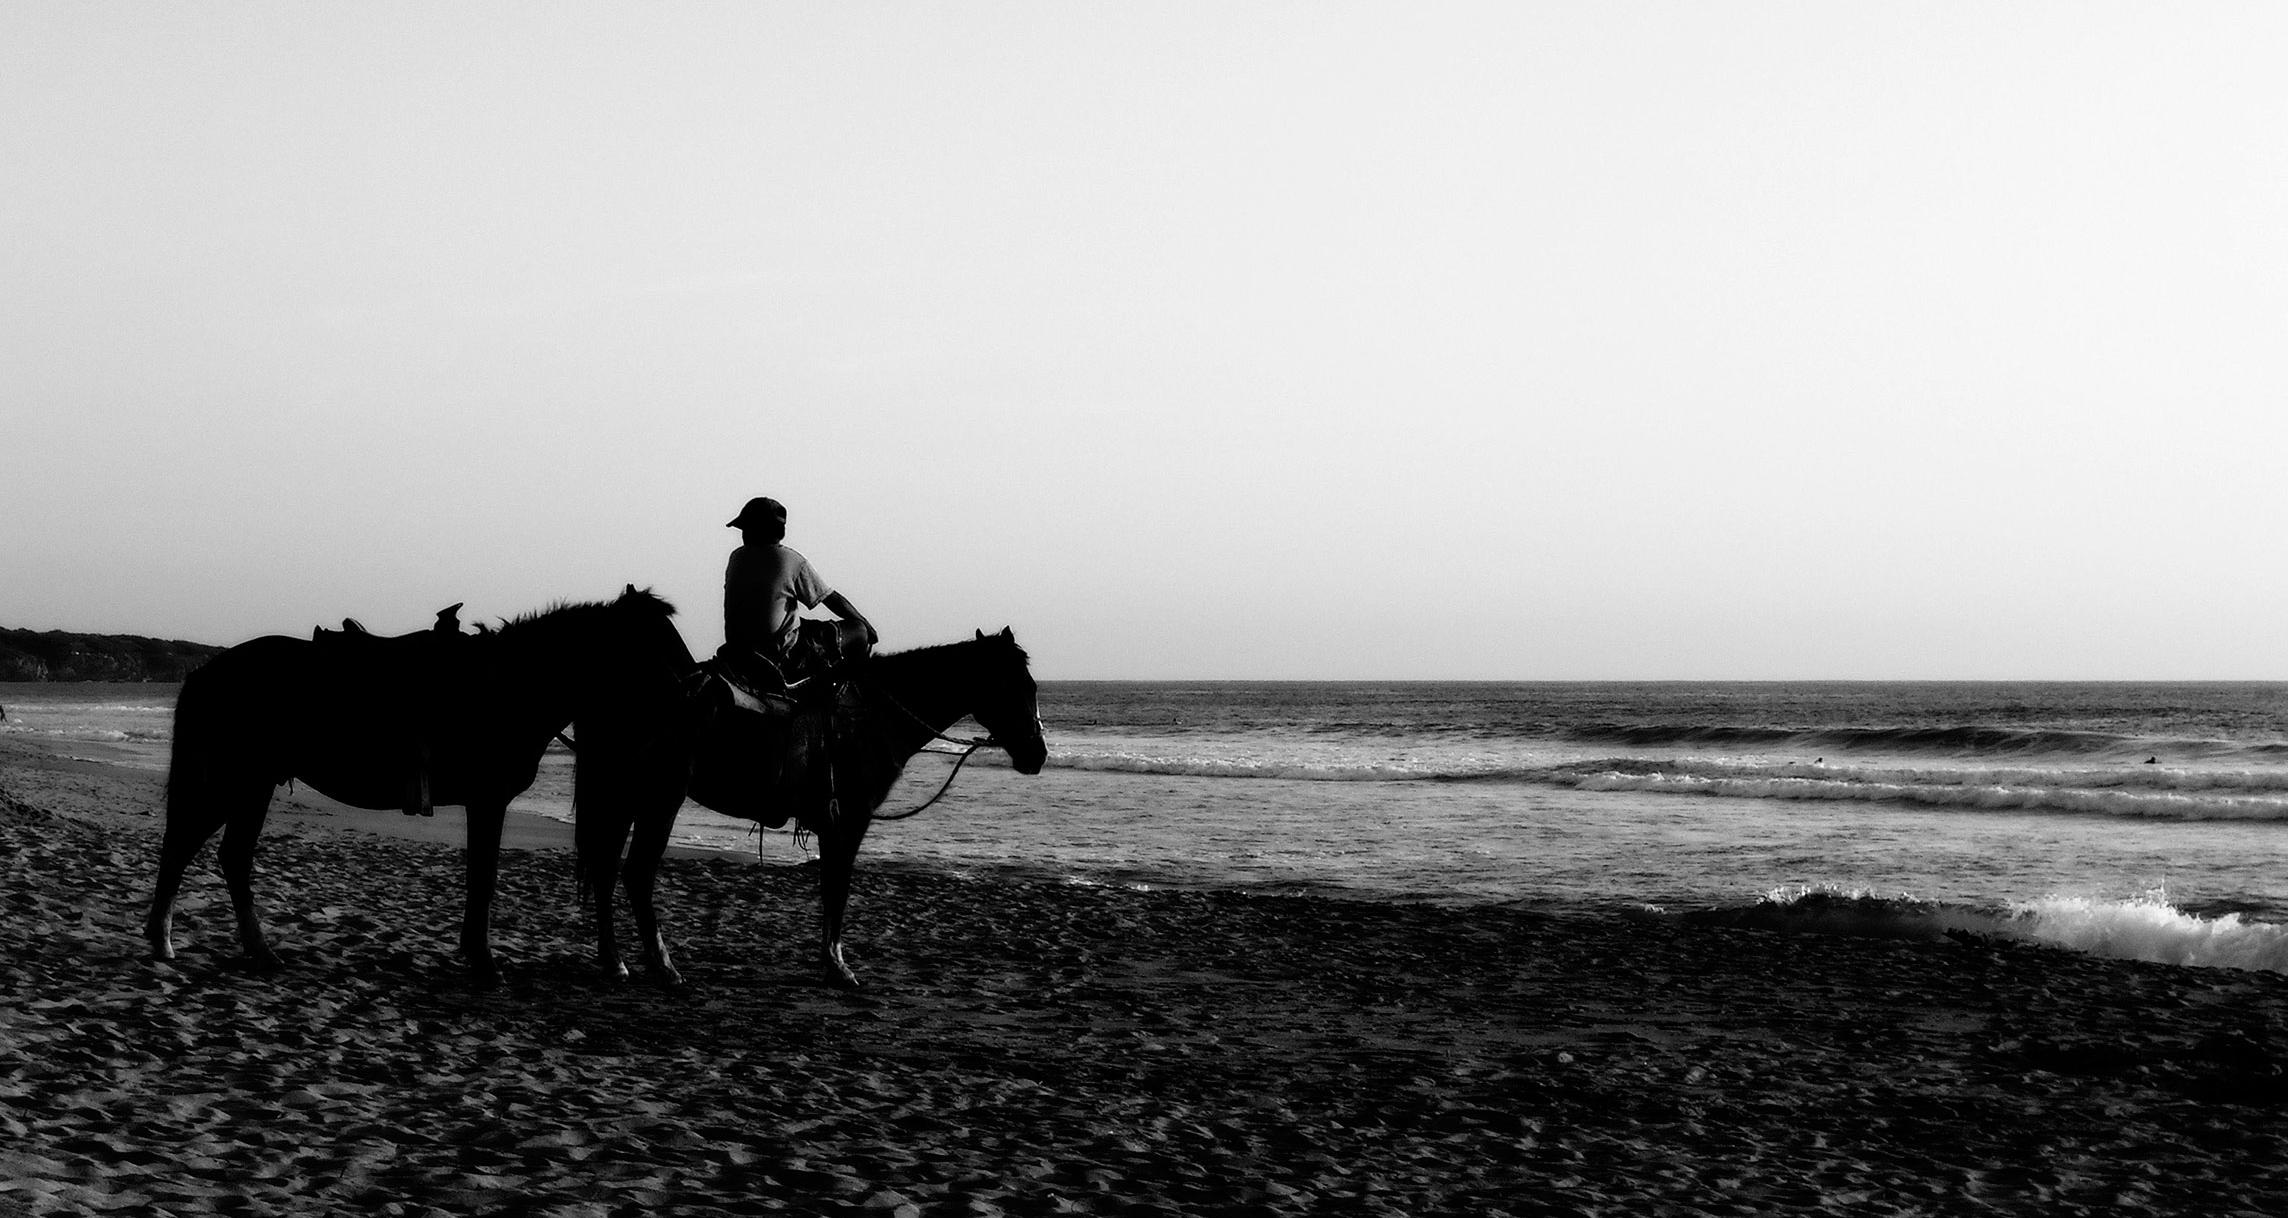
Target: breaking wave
<point x="2147" y="928"/>
<point x="2143" y="791"/>
<point x="99" y="734"/>
<point x="1949" y="740"/>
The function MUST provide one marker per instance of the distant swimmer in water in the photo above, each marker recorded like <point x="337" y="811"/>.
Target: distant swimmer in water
<point x="2152" y="761"/>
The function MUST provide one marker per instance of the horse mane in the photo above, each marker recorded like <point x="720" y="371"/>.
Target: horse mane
<point x="635" y="599"/>
<point x="941" y="651"/>
<point x="627" y="639"/>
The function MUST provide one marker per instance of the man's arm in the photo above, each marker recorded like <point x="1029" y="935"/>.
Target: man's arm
<point x="840" y="606"/>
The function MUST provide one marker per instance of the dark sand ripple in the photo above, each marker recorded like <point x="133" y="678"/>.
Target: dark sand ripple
<point x="1041" y="1049"/>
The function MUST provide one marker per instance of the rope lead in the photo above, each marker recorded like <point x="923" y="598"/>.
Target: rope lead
<point x="942" y="788"/>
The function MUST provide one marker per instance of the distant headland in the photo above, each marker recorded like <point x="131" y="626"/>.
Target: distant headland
<point x="58" y="655"/>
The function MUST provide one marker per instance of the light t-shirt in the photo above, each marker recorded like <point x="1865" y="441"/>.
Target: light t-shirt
<point x="761" y="588"/>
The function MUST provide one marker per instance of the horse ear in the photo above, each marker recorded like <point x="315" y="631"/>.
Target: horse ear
<point x="1009" y="634"/>
<point x="980" y="636"/>
<point x="630" y="592"/>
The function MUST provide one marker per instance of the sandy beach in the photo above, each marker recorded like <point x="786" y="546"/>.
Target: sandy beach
<point x="1044" y="1048"/>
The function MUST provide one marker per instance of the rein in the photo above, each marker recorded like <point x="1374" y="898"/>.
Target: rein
<point x="969" y="748"/>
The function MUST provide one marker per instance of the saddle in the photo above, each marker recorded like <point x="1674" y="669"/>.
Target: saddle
<point x="400" y="676"/>
<point x="767" y="728"/>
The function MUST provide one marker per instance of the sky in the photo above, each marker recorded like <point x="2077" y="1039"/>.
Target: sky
<point x="1336" y="340"/>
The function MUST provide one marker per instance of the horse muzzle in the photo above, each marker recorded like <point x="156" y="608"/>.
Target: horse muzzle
<point x="1028" y="756"/>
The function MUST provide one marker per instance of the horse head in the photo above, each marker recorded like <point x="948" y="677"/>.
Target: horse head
<point x="1006" y="701"/>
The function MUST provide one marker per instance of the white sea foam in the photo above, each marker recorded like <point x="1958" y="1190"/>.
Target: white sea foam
<point x="2144" y="927"/>
<point x="1858" y="910"/>
<point x="1198" y="765"/>
<point x="2130" y="777"/>
<point x="1979" y="796"/>
<point x="2151" y="929"/>
<point x="2132" y="791"/>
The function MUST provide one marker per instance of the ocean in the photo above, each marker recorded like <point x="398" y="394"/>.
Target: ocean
<point x="2147" y="821"/>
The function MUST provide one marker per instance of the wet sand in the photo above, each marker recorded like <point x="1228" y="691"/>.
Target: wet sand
<point x="1039" y="1048"/>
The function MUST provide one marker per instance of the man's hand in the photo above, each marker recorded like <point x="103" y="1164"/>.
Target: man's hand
<point x="840" y="606"/>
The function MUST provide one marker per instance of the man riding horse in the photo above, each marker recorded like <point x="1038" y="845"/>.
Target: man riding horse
<point x="762" y="585"/>
<point x="768" y="729"/>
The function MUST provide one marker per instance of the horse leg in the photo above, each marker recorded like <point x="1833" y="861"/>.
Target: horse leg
<point x="837" y="858"/>
<point x="190" y="822"/>
<point x="486" y="816"/>
<point x="600" y="819"/>
<point x="239" y="836"/>
<point x="600" y="849"/>
<point x="651" y="830"/>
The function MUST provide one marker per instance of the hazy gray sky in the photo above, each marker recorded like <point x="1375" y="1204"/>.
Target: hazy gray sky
<point x="1214" y="340"/>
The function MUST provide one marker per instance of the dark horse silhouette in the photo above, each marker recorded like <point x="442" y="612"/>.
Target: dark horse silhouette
<point x="887" y="709"/>
<point x="435" y="717"/>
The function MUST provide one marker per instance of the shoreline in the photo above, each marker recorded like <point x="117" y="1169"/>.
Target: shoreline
<point x="1034" y="1047"/>
<point x="140" y="793"/>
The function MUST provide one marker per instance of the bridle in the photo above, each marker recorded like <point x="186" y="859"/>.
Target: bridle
<point x="972" y="744"/>
<point x="968" y="748"/>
